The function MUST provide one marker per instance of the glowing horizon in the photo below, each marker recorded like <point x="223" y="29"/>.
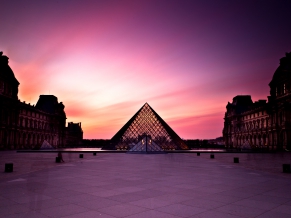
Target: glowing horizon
<point x="105" y="59"/>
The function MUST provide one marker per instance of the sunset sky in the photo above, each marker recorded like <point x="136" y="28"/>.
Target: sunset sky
<point x="105" y="59"/>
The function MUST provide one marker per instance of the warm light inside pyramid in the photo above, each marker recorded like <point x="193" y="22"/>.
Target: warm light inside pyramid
<point x="146" y="124"/>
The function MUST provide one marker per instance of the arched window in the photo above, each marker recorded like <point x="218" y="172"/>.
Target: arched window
<point x="281" y="119"/>
<point x="258" y="123"/>
<point x="2" y="86"/>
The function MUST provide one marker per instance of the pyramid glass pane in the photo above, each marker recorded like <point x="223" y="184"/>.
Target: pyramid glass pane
<point x="146" y="124"/>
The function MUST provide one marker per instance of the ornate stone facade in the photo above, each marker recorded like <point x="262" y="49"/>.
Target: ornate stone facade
<point x="25" y="126"/>
<point x="262" y="124"/>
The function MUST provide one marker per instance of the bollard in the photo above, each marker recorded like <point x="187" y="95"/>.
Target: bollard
<point x="58" y="160"/>
<point x="8" y="167"/>
<point x="286" y="168"/>
<point x="94" y="153"/>
<point x="236" y="160"/>
<point x="212" y="156"/>
<point x="198" y="153"/>
<point x="81" y="156"/>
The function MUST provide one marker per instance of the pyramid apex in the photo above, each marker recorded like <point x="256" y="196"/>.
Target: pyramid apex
<point x="145" y="104"/>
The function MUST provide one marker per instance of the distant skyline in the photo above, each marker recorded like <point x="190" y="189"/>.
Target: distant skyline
<point x="105" y="59"/>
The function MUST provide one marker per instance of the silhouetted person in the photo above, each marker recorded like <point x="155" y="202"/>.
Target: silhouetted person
<point x="60" y="157"/>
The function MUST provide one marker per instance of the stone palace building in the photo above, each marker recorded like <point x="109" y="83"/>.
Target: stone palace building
<point x="26" y="126"/>
<point x="262" y="125"/>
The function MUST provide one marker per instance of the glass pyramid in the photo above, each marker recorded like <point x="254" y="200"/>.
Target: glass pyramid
<point x="146" y="131"/>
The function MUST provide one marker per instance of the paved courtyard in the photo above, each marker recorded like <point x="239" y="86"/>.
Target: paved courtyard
<point x="142" y="185"/>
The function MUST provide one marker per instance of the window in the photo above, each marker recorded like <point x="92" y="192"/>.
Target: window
<point x="281" y="118"/>
<point x="2" y="86"/>
<point x="284" y="88"/>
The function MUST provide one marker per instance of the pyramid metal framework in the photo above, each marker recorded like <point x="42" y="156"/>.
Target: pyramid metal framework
<point x="146" y="124"/>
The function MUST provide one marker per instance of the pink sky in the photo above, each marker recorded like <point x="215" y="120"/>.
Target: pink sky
<point x="104" y="60"/>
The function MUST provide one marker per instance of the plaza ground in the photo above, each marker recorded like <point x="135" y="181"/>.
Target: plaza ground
<point x="145" y="185"/>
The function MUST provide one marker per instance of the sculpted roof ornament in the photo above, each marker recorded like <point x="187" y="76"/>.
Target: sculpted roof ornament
<point x="5" y="70"/>
<point x="3" y="59"/>
<point x="283" y="70"/>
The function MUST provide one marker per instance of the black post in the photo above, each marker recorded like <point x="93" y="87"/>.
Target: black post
<point x="81" y="156"/>
<point x="8" y="167"/>
<point x="212" y="156"/>
<point x="286" y="168"/>
<point x="198" y="153"/>
<point x="236" y="160"/>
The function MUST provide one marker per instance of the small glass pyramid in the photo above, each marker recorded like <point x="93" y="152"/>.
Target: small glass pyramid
<point x="146" y="131"/>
